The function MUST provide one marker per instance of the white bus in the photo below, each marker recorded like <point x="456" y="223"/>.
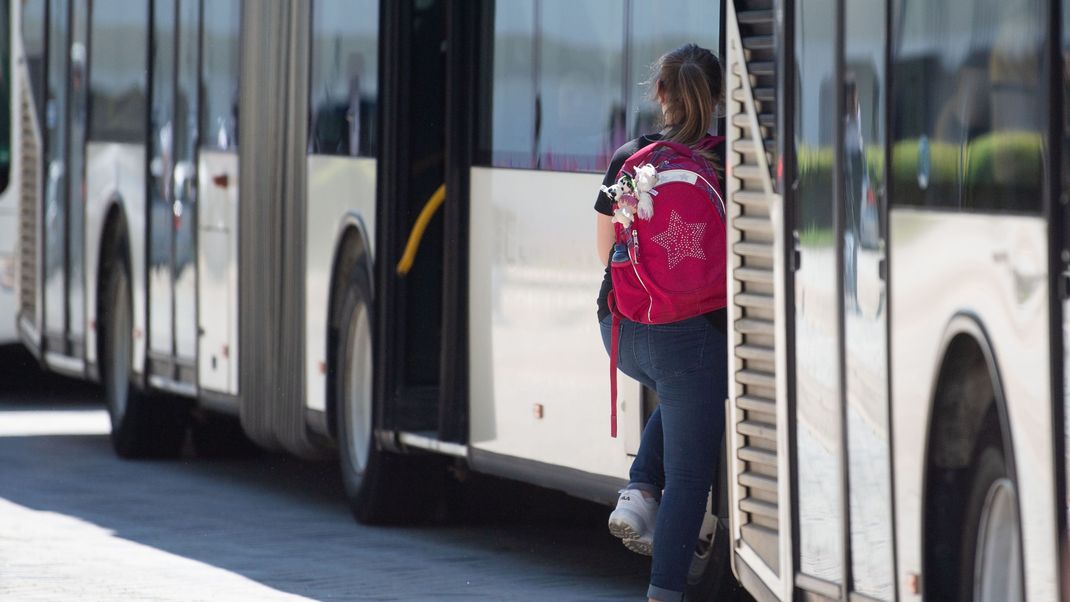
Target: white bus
<point x="899" y="181"/>
<point x="226" y="188"/>
<point x="9" y="177"/>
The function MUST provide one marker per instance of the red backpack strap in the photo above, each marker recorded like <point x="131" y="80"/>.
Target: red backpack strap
<point x="614" y="344"/>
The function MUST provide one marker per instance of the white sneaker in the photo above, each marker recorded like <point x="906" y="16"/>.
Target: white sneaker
<point x="633" y="521"/>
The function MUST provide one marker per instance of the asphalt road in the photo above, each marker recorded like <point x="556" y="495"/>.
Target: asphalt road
<point x="76" y="523"/>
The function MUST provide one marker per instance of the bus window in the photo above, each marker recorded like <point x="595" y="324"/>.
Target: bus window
<point x="564" y="89"/>
<point x="580" y="111"/>
<point x="818" y="437"/>
<point x="118" y="86"/>
<point x="971" y="115"/>
<point x="512" y="128"/>
<point x="5" y="95"/>
<point x="33" y="48"/>
<point x="222" y="23"/>
<point x="655" y="29"/>
<point x="344" y="90"/>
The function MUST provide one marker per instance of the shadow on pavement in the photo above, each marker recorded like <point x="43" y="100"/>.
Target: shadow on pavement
<point x="284" y="522"/>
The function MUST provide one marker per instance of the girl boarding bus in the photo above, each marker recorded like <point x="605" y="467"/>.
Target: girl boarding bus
<point x="236" y="208"/>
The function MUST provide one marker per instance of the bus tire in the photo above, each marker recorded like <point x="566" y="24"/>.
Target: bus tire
<point x="142" y="426"/>
<point x="991" y="567"/>
<point x="381" y="487"/>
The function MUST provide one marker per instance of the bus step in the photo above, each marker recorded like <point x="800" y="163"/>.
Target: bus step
<point x="754" y="17"/>
<point x="759" y="507"/>
<point x="757" y="455"/>
<point x="764" y="94"/>
<point x="753" y="428"/>
<point x="759" y="43"/>
<point x="749" y="172"/>
<point x="753" y="224"/>
<point x="756" y="378"/>
<point x="757" y="481"/>
<point x="752" y="249"/>
<point x="761" y="68"/>
<point x="755" y="301"/>
<point x="747" y="147"/>
<point x="753" y="326"/>
<point x="755" y="353"/>
<point x="755" y="275"/>
<point x="764" y="541"/>
<point x="756" y="403"/>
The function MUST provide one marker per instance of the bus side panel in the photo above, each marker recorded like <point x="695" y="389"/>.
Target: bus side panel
<point x="538" y="370"/>
<point x="995" y="271"/>
<point x="115" y="173"/>
<point x="338" y="188"/>
<point x="217" y="266"/>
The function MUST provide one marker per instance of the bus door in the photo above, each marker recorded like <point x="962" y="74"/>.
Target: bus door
<point x="811" y="443"/>
<point x="172" y="194"/>
<point x="64" y="184"/>
<point x="843" y="509"/>
<point x="409" y="301"/>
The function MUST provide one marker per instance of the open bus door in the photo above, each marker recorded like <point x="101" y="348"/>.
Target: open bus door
<point x="808" y="415"/>
<point x="428" y="82"/>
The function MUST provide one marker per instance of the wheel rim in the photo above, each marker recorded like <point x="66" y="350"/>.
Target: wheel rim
<point x="998" y="566"/>
<point x="358" y="389"/>
<point x="119" y="362"/>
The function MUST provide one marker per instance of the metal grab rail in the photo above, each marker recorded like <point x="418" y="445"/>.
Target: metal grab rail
<point x="417" y="234"/>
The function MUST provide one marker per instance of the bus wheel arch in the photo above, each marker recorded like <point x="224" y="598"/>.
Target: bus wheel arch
<point x="143" y="426"/>
<point x="352" y="251"/>
<point x="968" y="425"/>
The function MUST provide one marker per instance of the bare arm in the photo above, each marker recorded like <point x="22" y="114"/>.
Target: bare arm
<point x="606" y="237"/>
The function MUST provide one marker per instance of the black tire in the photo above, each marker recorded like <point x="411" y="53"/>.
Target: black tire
<point x="991" y="485"/>
<point x="217" y="436"/>
<point x="382" y="487"/>
<point x="142" y="425"/>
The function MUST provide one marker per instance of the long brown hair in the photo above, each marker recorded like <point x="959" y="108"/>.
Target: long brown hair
<point x="688" y="83"/>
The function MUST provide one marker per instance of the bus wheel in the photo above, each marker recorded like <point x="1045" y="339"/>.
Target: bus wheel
<point x="142" y="426"/>
<point x="991" y="554"/>
<point x="382" y="487"/>
<point x="710" y="575"/>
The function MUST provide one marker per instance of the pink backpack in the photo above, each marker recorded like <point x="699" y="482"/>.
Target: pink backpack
<point x="669" y="261"/>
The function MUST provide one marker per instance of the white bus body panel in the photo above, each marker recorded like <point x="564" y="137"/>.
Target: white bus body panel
<point x="534" y="338"/>
<point x="339" y="189"/>
<point x="994" y="268"/>
<point x="115" y="172"/>
<point x="217" y="269"/>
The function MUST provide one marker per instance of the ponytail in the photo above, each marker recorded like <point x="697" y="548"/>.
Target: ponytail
<point x="688" y="83"/>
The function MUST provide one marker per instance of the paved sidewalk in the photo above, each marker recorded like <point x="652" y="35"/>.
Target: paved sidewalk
<point x="76" y="523"/>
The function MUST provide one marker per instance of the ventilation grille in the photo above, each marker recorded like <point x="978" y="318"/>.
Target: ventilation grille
<point x="754" y="205"/>
<point x="29" y="150"/>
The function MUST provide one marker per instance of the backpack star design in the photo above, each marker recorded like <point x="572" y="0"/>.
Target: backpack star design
<point x="681" y="240"/>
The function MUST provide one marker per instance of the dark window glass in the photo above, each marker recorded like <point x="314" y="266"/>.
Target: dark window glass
<point x="970" y="102"/>
<point x="222" y="40"/>
<point x="117" y="86"/>
<point x="344" y="90"/>
<point x="5" y="94"/>
<point x="33" y="48"/>
<point x="563" y="91"/>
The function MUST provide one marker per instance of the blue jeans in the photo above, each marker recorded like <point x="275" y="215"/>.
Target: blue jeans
<point x="686" y="363"/>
